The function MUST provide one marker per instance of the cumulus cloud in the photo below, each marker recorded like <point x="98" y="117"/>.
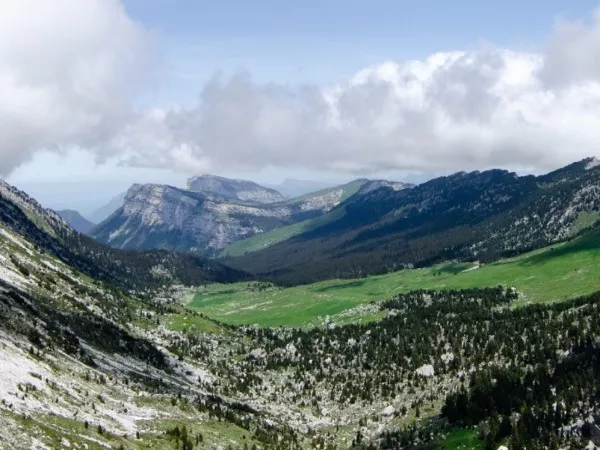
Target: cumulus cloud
<point x="488" y="107"/>
<point x="68" y="69"/>
<point x="452" y="111"/>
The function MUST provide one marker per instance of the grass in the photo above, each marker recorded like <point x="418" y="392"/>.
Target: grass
<point x="187" y="323"/>
<point x="551" y="274"/>
<point x="584" y="220"/>
<point x="273" y="237"/>
<point x="264" y="240"/>
<point x="349" y="189"/>
<point x="462" y="439"/>
<point x="52" y="430"/>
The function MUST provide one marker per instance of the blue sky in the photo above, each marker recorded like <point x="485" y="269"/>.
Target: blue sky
<point x="326" y="41"/>
<point x="172" y="49"/>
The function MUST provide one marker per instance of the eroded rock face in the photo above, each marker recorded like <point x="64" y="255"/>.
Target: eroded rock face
<point x="242" y="190"/>
<point x="169" y="218"/>
<point x="160" y="216"/>
<point x="426" y="371"/>
<point x="390" y="410"/>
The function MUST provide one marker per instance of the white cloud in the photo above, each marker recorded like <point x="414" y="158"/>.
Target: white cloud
<point x="67" y="80"/>
<point x="452" y="111"/>
<point x="67" y="72"/>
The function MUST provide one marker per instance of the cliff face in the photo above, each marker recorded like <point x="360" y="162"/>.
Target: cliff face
<point x="216" y="213"/>
<point x="160" y="216"/>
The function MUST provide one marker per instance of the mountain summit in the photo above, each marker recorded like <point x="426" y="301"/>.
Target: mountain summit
<point x="229" y="189"/>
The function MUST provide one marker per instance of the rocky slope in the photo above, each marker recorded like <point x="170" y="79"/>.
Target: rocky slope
<point x="242" y="190"/>
<point x="165" y="217"/>
<point x="470" y="216"/>
<point x="76" y="220"/>
<point x="130" y="271"/>
<point x="85" y="365"/>
<point x="79" y="367"/>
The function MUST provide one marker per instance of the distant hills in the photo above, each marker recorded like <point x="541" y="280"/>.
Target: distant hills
<point x="362" y="227"/>
<point x="105" y="211"/>
<point x="76" y="220"/>
<point x="295" y="188"/>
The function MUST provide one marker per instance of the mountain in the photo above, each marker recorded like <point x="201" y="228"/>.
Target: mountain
<point x="241" y="190"/>
<point x="76" y="220"/>
<point x="336" y="196"/>
<point x="469" y="216"/>
<point x="294" y="188"/>
<point x="128" y="270"/>
<point x="101" y="214"/>
<point x="93" y="355"/>
<point x="84" y="364"/>
<point x="165" y="217"/>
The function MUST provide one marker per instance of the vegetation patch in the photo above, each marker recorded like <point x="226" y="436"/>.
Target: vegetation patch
<point x="550" y="274"/>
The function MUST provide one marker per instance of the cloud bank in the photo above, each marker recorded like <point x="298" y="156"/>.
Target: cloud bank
<point x="68" y="82"/>
<point x="68" y="70"/>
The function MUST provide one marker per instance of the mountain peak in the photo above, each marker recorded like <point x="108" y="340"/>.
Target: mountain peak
<point x="591" y="162"/>
<point x="230" y="189"/>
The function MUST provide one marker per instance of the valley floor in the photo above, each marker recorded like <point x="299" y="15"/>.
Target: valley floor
<point x="554" y="273"/>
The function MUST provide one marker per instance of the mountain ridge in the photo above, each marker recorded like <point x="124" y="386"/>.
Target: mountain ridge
<point x="162" y="216"/>
<point x="477" y="215"/>
<point x="234" y="189"/>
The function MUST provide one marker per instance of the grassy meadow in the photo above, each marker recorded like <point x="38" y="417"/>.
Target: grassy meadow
<point x="554" y="273"/>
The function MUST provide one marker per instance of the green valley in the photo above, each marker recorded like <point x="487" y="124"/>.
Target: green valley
<point x="554" y="273"/>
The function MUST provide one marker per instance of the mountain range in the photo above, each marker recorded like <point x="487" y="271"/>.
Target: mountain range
<point x="103" y="347"/>
<point x="363" y="227"/>
<point x="212" y="215"/>
<point x="476" y="216"/>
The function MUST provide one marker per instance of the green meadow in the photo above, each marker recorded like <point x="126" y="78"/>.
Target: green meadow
<point x="554" y="273"/>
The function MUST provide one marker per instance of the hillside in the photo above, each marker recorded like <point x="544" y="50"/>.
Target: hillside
<point x="86" y="365"/>
<point x="76" y="220"/>
<point x="560" y="272"/>
<point x="467" y="216"/>
<point x="337" y="196"/>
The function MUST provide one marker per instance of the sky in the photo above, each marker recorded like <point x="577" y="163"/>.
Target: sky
<point x="98" y="94"/>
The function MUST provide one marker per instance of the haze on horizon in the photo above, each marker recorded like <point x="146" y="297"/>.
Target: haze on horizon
<point x="98" y="94"/>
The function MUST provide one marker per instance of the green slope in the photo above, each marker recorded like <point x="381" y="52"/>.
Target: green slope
<point x="554" y="273"/>
<point x="264" y="240"/>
